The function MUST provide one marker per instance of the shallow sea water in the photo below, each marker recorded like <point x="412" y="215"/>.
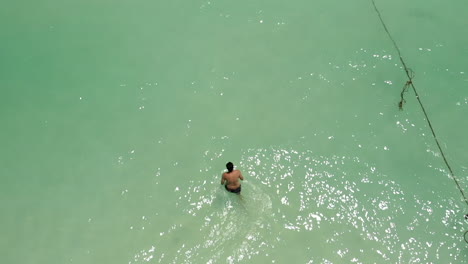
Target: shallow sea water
<point x="118" y="118"/>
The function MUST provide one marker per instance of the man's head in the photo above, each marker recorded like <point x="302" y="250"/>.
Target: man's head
<point x="230" y="166"/>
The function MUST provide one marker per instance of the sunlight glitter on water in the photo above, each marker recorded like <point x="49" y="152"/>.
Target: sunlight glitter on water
<point x="296" y="191"/>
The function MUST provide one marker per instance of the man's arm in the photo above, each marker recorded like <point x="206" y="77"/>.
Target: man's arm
<point x="223" y="180"/>
<point x="240" y="176"/>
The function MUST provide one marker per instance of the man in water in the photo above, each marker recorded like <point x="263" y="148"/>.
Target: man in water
<point x="231" y="179"/>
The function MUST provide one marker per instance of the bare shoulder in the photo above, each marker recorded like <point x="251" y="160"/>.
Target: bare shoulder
<point x="239" y="173"/>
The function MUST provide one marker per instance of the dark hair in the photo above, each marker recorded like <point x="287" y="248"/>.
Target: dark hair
<point x="230" y="166"/>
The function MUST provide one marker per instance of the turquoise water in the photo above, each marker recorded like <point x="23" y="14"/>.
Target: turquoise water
<point x="119" y="116"/>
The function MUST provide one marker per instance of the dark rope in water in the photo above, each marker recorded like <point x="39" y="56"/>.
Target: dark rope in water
<point x="409" y="83"/>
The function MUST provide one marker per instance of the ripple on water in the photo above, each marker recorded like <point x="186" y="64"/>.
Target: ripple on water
<point x="321" y="209"/>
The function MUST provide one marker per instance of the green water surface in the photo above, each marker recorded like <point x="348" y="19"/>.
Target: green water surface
<point x="117" y="118"/>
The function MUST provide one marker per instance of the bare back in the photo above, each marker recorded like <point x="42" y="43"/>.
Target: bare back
<point x="231" y="179"/>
